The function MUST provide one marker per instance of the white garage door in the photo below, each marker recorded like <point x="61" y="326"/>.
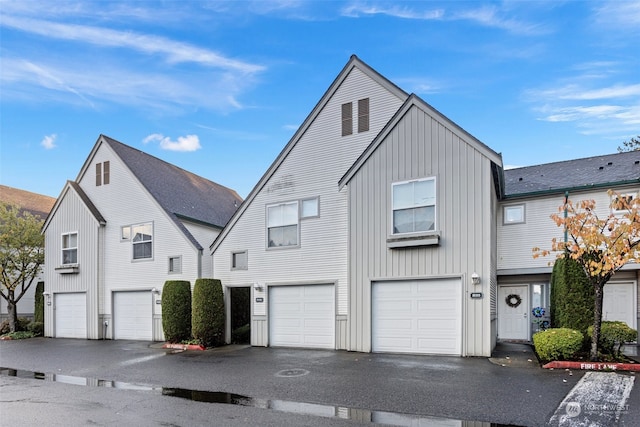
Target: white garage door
<point x="619" y="303"/>
<point x="422" y="316"/>
<point x="132" y="316"/>
<point x="71" y="315"/>
<point x="302" y="316"/>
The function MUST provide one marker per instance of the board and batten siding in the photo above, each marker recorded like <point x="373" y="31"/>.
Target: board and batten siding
<point x="205" y="235"/>
<point x="72" y="215"/>
<point x="516" y="241"/>
<point x="312" y="168"/>
<point x="420" y="146"/>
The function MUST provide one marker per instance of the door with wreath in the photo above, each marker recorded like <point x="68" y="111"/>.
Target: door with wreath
<point x="513" y="312"/>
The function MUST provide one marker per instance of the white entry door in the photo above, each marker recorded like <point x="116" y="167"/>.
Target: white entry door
<point x="132" y="316"/>
<point x="302" y="316"/>
<point x="619" y="303"/>
<point x="417" y="316"/>
<point x="513" y="314"/>
<point x="70" y="315"/>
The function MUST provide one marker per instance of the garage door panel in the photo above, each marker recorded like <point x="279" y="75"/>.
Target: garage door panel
<point x="417" y="316"/>
<point x="71" y="315"/>
<point x="133" y="316"/>
<point x="302" y="316"/>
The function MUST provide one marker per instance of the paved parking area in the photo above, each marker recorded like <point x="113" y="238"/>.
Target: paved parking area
<point x="292" y="383"/>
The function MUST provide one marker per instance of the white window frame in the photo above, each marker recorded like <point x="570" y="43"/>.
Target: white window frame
<point x="234" y="264"/>
<point x="127" y="237"/>
<point x="434" y="228"/>
<point x="171" y="264"/>
<point x="317" y="208"/>
<point x="629" y="196"/>
<point x="69" y="248"/>
<point x="522" y="218"/>
<point x="134" y="243"/>
<point x="288" y="224"/>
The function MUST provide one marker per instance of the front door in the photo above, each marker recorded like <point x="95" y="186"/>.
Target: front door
<point x="619" y="303"/>
<point x="513" y="312"/>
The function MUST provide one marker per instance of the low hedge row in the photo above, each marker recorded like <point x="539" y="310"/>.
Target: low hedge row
<point x="557" y="343"/>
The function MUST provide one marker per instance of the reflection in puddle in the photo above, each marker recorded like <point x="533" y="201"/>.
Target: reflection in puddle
<point x="327" y="411"/>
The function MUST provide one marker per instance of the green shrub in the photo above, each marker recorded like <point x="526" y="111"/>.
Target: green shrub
<point x="23" y="322"/>
<point x="176" y="310"/>
<point x="557" y="343"/>
<point x="38" y="309"/>
<point x="19" y="335"/>
<point x="241" y="335"/>
<point x="613" y="336"/>
<point x="208" y="315"/>
<point x="572" y="297"/>
<point x="37" y="328"/>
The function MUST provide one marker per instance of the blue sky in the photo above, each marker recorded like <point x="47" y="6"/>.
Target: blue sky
<point x="218" y="88"/>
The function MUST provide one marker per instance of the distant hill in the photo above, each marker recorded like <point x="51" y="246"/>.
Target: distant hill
<point x="36" y="204"/>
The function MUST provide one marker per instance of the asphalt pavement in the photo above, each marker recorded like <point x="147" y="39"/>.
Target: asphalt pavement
<point x="79" y="382"/>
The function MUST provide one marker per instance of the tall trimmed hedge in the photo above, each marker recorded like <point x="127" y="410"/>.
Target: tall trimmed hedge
<point x="38" y="309"/>
<point x="572" y="297"/>
<point x="176" y="310"/>
<point x="208" y="316"/>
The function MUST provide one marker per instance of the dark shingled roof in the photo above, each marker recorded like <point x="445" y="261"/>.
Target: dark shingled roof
<point x="590" y="172"/>
<point x="181" y="194"/>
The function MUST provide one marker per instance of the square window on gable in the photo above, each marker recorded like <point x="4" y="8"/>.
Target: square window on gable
<point x="309" y="208"/>
<point x="513" y="214"/>
<point x="175" y="265"/>
<point x="414" y="206"/>
<point x="239" y="260"/>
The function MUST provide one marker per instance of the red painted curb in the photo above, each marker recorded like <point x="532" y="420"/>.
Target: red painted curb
<point x="593" y="366"/>
<point x="183" y="346"/>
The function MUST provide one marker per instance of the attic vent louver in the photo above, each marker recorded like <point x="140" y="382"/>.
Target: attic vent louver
<point x="636" y="162"/>
<point x="601" y="167"/>
<point x="609" y="164"/>
<point x="519" y="179"/>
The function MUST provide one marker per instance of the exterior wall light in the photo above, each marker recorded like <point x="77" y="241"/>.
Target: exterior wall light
<point x="258" y="287"/>
<point x="475" y="279"/>
<point x="47" y="295"/>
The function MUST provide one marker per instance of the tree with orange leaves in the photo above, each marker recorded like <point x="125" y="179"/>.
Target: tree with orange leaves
<point x="602" y="245"/>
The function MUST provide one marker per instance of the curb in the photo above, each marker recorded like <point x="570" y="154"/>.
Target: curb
<point x="592" y="366"/>
<point x="183" y="346"/>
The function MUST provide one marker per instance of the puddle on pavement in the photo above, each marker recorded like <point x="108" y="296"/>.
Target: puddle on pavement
<point x="326" y="411"/>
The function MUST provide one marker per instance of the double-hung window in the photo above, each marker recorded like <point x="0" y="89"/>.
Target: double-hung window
<point x="69" y="248"/>
<point x="414" y="206"/>
<point x="142" y="241"/>
<point x="282" y="225"/>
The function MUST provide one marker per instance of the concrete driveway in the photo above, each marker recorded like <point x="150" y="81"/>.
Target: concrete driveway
<point x="131" y="382"/>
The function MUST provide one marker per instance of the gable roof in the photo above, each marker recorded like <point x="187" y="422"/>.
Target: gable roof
<point x="416" y="101"/>
<point x="591" y="172"/>
<point x="181" y="194"/>
<point x="73" y="186"/>
<point x="354" y="62"/>
<point x="37" y="205"/>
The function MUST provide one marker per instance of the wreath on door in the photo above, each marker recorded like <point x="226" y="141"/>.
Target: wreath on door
<point x="513" y="300"/>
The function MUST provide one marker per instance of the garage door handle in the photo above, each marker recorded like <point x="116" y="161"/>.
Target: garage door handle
<point x="525" y="314"/>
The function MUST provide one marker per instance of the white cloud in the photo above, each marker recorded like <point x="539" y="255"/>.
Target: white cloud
<point x="355" y="10"/>
<point x="48" y="142"/>
<point x="174" y="51"/>
<point x="184" y="143"/>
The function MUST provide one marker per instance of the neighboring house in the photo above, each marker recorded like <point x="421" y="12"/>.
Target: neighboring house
<point x="379" y="227"/>
<point x="532" y="195"/>
<point x="128" y="223"/>
<point x="38" y="205"/>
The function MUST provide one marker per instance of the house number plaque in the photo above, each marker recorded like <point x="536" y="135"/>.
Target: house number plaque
<point x="476" y="295"/>
<point x="259" y="299"/>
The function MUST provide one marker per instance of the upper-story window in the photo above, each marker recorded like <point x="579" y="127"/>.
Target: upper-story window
<point x="175" y="264"/>
<point x="309" y="208"/>
<point x="414" y="206"/>
<point x="347" y="117"/>
<point x="513" y="214"/>
<point x="622" y="202"/>
<point x="69" y="248"/>
<point x="239" y="260"/>
<point x="103" y="172"/>
<point x="142" y="240"/>
<point x="282" y="225"/>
